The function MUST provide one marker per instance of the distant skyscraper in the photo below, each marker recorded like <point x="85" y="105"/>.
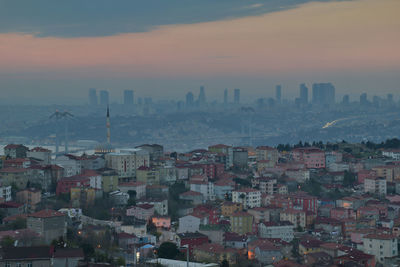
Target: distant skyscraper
<point x="108" y="126"/>
<point x="236" y="96"/>
<point x="323" y="93"/>
<point x="128" y="97"/>
<point x="202" y="97"/>
<point x="104" y="97"/>
<point x="278" y="93"/>
<point x="303" y="94"/>
<point x="226" y="97"/>
<point x="92" y="97"/>
<point x="390" y="98"/>
<point x="364" y="99"/>
<point x="346" y="100"/>
<point x="189" y="100"/>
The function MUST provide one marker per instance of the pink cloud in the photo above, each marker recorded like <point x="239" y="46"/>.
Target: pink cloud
<point x="353" y="35"/>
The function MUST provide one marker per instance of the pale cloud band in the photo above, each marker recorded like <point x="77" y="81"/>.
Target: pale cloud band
<point x="360" y="35"/>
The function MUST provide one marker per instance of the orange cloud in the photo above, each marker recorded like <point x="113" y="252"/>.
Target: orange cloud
<point x="352" y="35"/>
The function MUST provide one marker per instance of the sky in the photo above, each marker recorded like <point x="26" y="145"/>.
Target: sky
<point x="54" y="51"/>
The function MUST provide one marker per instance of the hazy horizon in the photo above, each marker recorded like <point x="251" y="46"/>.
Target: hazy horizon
<point x="53" y="53"/>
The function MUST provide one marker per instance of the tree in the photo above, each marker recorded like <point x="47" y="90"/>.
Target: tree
<point x="224" y="263"/>
<point x="349" y="179"/>
<point x="168" y="250"/>
<point x="7" y="242"/>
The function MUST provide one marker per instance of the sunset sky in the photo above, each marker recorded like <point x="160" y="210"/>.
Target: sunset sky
<point x="165" y="50"/>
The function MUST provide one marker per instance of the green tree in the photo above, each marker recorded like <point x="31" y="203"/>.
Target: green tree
<point x="349" y="179"/>
<point x="7" y="242"/>
<point x="168" y="250"/>
<point x="224" y="263"/>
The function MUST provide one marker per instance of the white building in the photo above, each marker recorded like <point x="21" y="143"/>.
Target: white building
<point x="282" y="230"/>
<point x="375" y="185"/>
<point x="249" y="197"/>
<point x="392" y="153"/>
<point x="5" y="192"/>
<point x="190" y="223"/>
<point x="127" y="161"/>
<point x="160" y="205"/>
<point x="138" y="187"/>
<point x="381" y="246"/>
<point x="204" y="188"/>
<point x="71" y="165"/>
<point x="41" y="154"/>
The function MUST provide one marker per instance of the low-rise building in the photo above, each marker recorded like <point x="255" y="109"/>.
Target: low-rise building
<point x="375" y="185"/>
<point x="31" y="197"/>
<point x="249" y="197"/>
<point x="382" y="246"/>
<point x="241" y="223"/>
<point x="49" y="224"/>
<point x="283" y="230"/>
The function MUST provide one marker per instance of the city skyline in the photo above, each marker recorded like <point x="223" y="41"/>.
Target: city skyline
<point x="166" y="60"/>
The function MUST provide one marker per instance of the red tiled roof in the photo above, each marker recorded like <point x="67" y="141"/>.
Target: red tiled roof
<point x="13" y="146"/>
<point x="145" y="206"/>
<point x="380" y="236"/>
<point x="10" y="204"/>
<point x="39" y="149"/>
<point x="46" y="214"/>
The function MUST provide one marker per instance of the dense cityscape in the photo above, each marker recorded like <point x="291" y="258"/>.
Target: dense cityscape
<point x="200" y="133"/>
<point x="307" y="204"/>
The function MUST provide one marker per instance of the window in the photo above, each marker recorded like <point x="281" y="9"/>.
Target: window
<point x="29" y="264"/>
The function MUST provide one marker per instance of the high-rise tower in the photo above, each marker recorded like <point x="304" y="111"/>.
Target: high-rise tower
<point x="226" y="97"/>
<point x="92" y="97"/>
<point x="278" y="93"/>
<point x="236" y="96"/>
<point x="202" y="97"/>
<point x="303" y="94"/>
<point x="108" y="126"/>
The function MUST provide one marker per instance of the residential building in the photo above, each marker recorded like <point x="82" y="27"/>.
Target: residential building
<point x="49" y="224"/>
<point x="65" y="184"/>
<point x="375" y="185"/>
<point x="382" y="246"/>
<point x="15" y="151"/>
<point x="313" y="158"/>
<point x="40" y="153"/>
<point x="138" y="187"/>
<point x="283" y="230"/>
<point x="214" y="253"/>
<point x="160" y="204"/>
<point x="296" y="217"/>
<point x="241" y="222"/>
<point x="127" y="161"/>
<point x="5" y="193"/>
<point x="148" y="175"/>
<point x="141" y="211"/>
<point x="249" y="197"/>
<point x="191" y="223"/>
<point x="228" y="208"/>
<point x="191" y="240"/>
<point x="70" y="163"/>
<point x="109" y="179"/>
<point x="267" y="153"/>
<point x="30" y="196"/>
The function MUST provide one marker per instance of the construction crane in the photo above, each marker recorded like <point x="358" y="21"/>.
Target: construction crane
<point x="58" y="115"/>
